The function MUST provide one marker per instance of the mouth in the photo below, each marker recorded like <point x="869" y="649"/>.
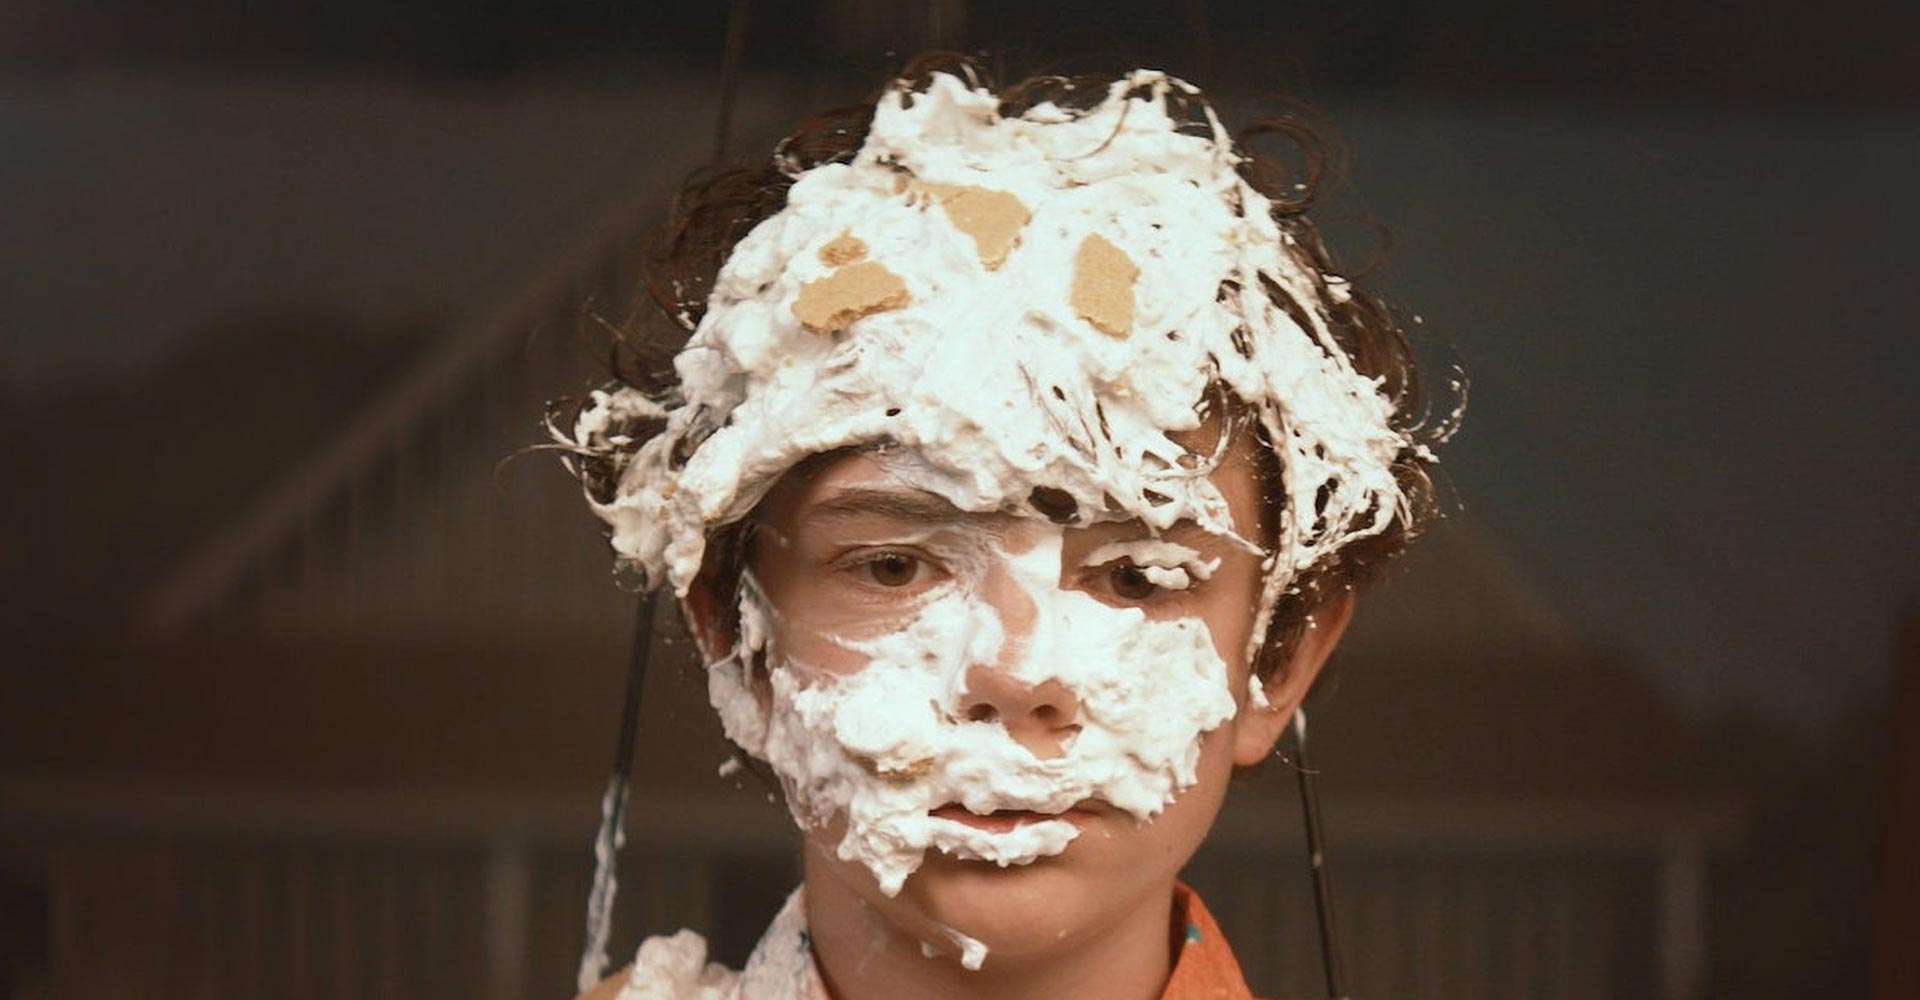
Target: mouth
<point x="1004" y="820"/>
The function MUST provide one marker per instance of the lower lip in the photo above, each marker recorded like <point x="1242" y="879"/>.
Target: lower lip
<point x="1005" y="820"/>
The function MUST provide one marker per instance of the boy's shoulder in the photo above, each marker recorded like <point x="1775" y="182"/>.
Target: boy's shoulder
<point x="1205" y="965"/>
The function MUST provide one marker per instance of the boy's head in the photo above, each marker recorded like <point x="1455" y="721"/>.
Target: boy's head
<point x="1014" y="449"/>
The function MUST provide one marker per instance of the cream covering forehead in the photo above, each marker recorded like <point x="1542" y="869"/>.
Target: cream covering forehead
<point x="1031" y="301"/>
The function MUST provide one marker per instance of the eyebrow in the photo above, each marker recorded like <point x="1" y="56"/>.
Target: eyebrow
<point x="1185" y="529"/>
<point x="1184" y="532"/>
<point x="900" y="505"/>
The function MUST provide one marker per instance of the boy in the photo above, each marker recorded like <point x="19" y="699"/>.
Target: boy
<point x="1014" y="482"/>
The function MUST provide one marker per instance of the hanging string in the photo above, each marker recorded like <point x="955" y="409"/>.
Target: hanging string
<point x="613" y="805"/>
<point x="1317" y="860"/>
<point x="1202" y="39"/>
<point x="613" y="802"/>
<point x="729" y="77"/>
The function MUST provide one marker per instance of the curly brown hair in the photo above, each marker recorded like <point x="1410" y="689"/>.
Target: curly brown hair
<point x="718" y="207"/>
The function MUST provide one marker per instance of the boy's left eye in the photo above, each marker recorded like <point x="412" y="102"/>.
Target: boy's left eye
<point x="1130" y="582"/>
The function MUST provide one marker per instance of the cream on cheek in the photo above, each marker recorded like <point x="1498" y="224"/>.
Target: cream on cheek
<point x="828" y="603"/>
<point x="884" y="745"/>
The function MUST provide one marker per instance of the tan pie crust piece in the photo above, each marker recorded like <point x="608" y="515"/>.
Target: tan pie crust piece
<point x="993" y="218"/>
<point x="1103" y="278"/>
<point x="843" y="249"/>
<point x="858" y="290"/>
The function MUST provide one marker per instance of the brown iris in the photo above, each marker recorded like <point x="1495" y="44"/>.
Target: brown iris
<point x="893" y="569"/>
<point x="1130" y="582"/>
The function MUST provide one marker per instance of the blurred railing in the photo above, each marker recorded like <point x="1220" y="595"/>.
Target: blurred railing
<point x="214" y="894"/>
<point x="1527" y="898"/>
<point x="472" y="400"/>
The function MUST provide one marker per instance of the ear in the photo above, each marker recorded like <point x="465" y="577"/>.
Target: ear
<point x="1257" y="728"/>
<point x="710" y="620"/>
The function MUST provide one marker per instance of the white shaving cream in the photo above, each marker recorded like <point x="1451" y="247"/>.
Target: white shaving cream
<point x="992" y="373"/>
<point x="1060" y="356"/>
<point x="886" y="746"/>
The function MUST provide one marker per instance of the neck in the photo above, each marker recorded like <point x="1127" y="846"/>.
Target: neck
<point x="864" y="953"/>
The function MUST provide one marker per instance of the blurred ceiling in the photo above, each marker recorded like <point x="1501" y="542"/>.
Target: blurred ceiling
<point x="1765" y="50"/>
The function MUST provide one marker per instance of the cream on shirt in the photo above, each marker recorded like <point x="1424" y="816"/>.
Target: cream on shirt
<point x="781" y="967"/>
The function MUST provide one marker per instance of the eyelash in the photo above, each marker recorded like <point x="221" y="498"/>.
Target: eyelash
<point x="862" y="565"/>
<point x="1102" y="579"/>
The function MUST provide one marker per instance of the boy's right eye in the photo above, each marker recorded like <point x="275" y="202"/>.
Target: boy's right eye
<point x="893" y="569"/>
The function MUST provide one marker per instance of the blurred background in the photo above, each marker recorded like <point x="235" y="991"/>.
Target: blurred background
<point x="316" y="668"/>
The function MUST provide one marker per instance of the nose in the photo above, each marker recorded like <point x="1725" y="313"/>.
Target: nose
<point x="1039" y="717"/>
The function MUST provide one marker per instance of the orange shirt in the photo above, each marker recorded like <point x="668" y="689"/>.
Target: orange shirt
<point x="1205" y="968"/>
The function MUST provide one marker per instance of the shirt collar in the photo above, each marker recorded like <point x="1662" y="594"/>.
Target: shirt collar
<point x="1203" y="969"/>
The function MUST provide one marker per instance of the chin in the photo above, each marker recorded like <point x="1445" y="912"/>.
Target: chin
<point x="1017" y="910"/>
<point x="1054" y="905"/>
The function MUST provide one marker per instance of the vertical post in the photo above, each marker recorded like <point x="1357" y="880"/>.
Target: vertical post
<point x="508" y="900"/>
<point x="1681" y="958"/>
<point x="1896" y="913"/>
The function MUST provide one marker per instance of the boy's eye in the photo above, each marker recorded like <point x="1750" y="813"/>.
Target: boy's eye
<point x="1130" y="582"/>
<point x="893" y="569"/>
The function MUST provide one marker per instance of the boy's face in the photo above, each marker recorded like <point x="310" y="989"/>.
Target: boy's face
<point x="996" y="726"/>
<point x="1078" y="667"/>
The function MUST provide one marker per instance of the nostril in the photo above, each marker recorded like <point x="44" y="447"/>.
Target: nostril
<point x="981" y="713"/>
<point x="1048" y="715"/>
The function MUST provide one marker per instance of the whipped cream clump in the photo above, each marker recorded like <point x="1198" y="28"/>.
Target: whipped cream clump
<point x="676" y="968"/>
<point x="994" y="373"/>
<point x="781" y="967"/>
